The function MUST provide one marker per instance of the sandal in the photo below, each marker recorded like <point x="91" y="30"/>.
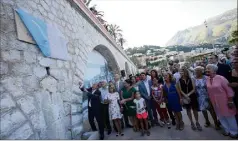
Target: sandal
<point x="122" y="134"/>
<point x="117" y="134"/>
<point x="233" y="136"/>
<point x="225" y="134"/>
<point x="148" y="133"/>
<point x="207" y="124"/>
<point x="142" y="133"/>
<point x="193" y="126"/>
<point x="168" y="125"/>
<point x="199" y="126"/>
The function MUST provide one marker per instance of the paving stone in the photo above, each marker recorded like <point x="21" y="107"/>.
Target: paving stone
<point x="11" y="56"/>
<point x="27" y="104"/>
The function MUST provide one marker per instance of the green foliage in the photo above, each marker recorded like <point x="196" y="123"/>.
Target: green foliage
<point x="234" y="39"/>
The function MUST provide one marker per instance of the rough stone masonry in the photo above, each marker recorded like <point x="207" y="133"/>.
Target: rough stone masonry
<point x="40" y="98"/>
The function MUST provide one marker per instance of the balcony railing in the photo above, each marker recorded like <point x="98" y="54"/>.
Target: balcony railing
<point x="94" y="19"/>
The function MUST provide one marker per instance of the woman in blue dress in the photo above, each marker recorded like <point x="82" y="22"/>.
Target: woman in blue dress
<point x="173" y="97"/>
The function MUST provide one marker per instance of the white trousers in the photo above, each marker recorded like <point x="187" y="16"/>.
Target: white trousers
<point x="229" y="124"/>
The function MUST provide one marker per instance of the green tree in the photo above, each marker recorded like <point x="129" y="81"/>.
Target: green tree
<point x="115" y="31"/>
<point x="234" y="38"/>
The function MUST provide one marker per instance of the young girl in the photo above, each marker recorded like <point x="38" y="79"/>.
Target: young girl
<point x="159" y="102"/>
<point x="115" y="108"/>
<point x="142" y="114"/>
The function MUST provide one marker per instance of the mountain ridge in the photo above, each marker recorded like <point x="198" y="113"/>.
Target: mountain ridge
<point x="218" y="30"/>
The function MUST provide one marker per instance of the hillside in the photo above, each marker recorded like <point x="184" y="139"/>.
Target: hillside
<point x="219" y="29"/>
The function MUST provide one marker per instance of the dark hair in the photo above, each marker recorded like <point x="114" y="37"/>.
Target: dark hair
<point x="156" y="73"/>
<point x="128" y="81"/>
<point x="143" y="73"/>
<point x="132" y="77"/>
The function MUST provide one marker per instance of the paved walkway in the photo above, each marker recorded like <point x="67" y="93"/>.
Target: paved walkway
<point x="163" y="133"/>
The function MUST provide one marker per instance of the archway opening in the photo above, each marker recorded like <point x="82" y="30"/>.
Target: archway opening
<point x="101" y="66"/>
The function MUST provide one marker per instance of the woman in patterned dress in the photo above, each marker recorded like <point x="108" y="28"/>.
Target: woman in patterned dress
<point x="114" y="108"/>
<point x="202" y="96"/>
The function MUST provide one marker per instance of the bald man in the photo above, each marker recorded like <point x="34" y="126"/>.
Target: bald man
<point x="94" y="108"/>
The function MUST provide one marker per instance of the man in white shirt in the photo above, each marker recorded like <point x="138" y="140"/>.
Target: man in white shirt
<point x="105" y="109"/>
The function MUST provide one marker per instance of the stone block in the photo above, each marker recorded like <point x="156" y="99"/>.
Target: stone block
<point x="38" y="122"/>
<point x="4" y="68"/>
<point x="6" y="102"/>
<point x="21" y="69"/>
<point x="39" y="72"/>
<point x="77" y="119"/>
<point x="11" y="55"/>
<point x="31" y="83"/>
<point x="49" y="84"/>
<point x="85" y="105"/>
<point x="47" y="62"/>
<point x="22" y="133"/>
<point x="29" y="57"/>
<point x="11" y="121"/>
<point x="60" y="63"/>
<point x="27" y="104"/>
<point x="61" y="86"/>
<point x="75" y="108"/>
<point x="13" y="85"/>
<point x="59" y="74"/>
<point x="77" y="132"/>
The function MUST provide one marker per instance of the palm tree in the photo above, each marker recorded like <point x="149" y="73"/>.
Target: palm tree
<point x="115" y="31"/>
<point x="87" y="2"/>
<point x="121" y="41"/>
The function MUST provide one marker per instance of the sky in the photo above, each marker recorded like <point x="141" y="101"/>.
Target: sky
<point x="154" y="22"/>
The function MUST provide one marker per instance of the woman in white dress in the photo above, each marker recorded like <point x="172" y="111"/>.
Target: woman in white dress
<point x="115" y="108"/>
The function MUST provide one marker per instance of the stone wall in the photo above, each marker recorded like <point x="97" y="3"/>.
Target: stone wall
<point x="40" y="98"/>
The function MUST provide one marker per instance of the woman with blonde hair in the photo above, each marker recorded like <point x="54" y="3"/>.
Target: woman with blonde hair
<point x="221" y="96"/>
<point x="202" y="96"/>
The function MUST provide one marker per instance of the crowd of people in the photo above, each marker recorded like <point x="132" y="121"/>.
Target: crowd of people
<point x="137" y="102"/>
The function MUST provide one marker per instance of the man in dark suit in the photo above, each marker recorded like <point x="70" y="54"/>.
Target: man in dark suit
<point x="223" y="69"/>
<point x="94" y="108"/>
<point x="145" y="91"/>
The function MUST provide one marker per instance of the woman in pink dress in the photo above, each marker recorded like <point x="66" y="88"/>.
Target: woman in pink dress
<point x="221" y="96"/>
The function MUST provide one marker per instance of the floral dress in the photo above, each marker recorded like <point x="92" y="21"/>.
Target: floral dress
<point x="114" y="108"/>
<point x="202" y="95"/>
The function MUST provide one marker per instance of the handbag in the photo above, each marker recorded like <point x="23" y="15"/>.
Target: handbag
<point x="185" y="100"/>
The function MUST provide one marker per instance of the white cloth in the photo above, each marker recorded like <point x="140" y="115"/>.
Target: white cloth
<point x="89" y="104"/>
<point x="140" y="107"/>
<point x="104" y="93"/>
<point x="147" y="86"/>
<point x="177" y="76"/>
<point x="114" y="108"/>
<point x="229" y="124"/>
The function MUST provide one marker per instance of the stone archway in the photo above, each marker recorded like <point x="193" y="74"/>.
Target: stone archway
<point x="127" y="69"/>
<point x="107" y="54"/>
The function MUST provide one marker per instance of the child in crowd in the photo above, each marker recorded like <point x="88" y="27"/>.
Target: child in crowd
<point x="141" y="113"/>
<point x="115" y="108"/>
<point x="159" y="102"/>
